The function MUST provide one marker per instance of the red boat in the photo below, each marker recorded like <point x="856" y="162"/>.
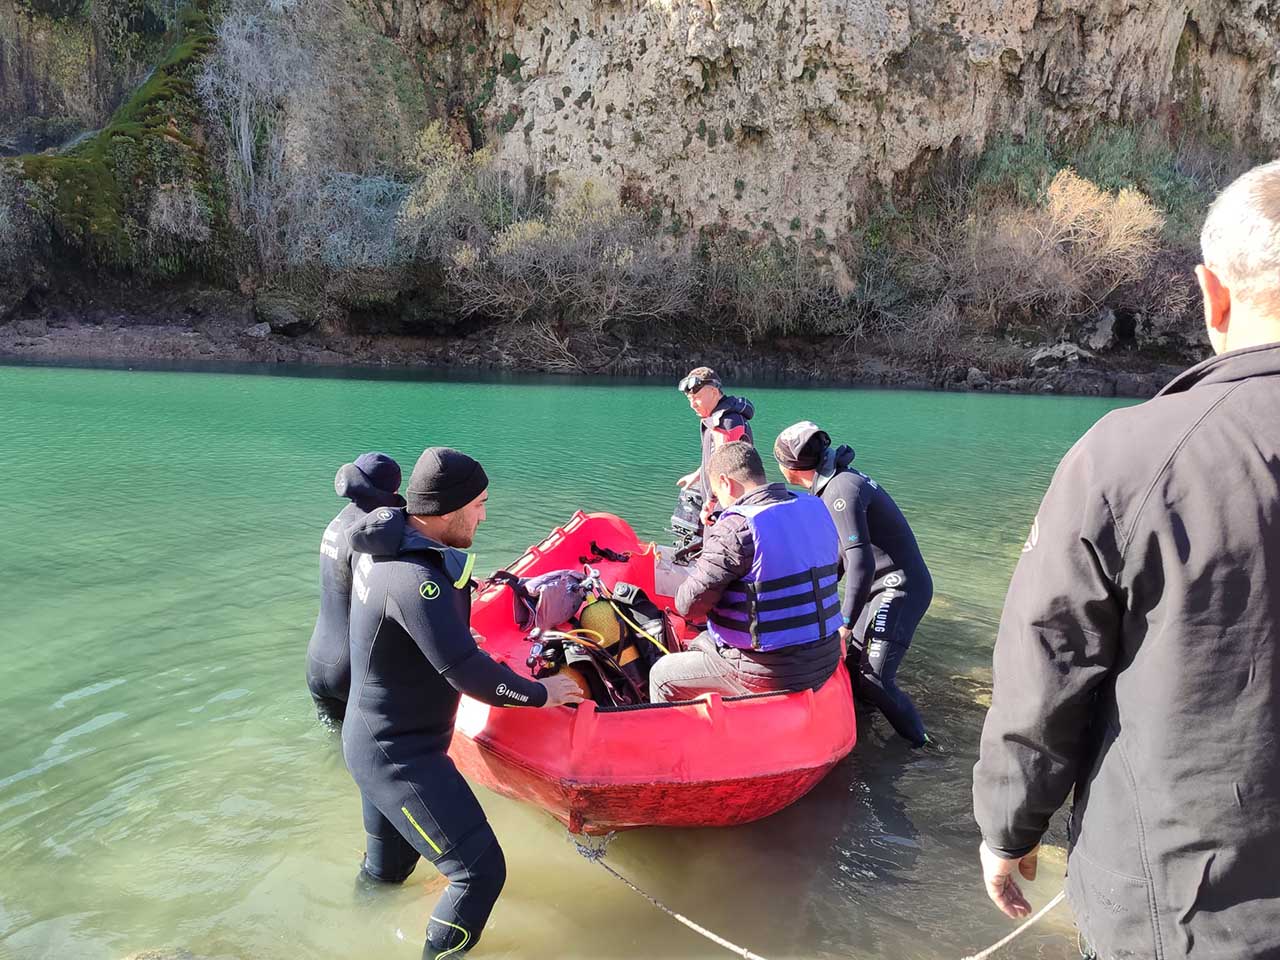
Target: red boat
<point x="711" y="762"/>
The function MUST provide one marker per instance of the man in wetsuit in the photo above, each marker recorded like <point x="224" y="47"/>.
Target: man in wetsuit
<point x="887" y="587"/>
<point x="767" y="582"/>
<point x="413" y="655"/>
<point x="723" y="419"/>
<point x="369" y="483"/>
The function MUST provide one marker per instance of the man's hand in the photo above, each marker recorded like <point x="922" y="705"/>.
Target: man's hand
<point x="846" y="633"/>
<point x="561" y="689"/>
<point x="1002" y="888"/>
<point x="689" y="479"/>
<point x="707" y="509"/>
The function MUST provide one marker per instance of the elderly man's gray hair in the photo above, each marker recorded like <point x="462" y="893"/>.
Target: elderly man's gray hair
<point x="1241" y="237"/>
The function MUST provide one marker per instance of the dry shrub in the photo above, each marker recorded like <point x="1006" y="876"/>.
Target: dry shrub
<point x="767" y="289"/>
<point x="177" y="218"/>
<point x="1004" y="263"/>
<point x="591" y="269"/>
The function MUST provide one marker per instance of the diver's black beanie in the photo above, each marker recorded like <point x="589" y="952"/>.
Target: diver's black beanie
<point x="801" y="446"/>
<point x="442" y="481"/>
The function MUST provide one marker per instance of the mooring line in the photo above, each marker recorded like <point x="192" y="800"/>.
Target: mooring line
<point x="594" y="853"/>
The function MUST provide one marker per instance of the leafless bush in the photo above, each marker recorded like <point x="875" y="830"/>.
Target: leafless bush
<point x="262" y="58"/>
<point x="177" y="219"/>
<point x="1050" y="263"/>
<point x="766" y="289"/>
<point x="593" y="267"/>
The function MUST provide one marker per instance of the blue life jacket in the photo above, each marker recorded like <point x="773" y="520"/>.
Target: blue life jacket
<point x="789" y="596"/>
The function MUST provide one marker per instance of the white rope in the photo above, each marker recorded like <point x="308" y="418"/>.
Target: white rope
<point x="1001" y="944"/>
<point x="595" y="854"/>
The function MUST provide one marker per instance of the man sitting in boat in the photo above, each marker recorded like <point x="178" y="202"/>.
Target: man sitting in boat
<point x="766" y="581"/>
<point x="724" y="419"/>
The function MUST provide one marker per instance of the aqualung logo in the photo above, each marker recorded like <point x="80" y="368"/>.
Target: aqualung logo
<point x="505" y="691"/>
<point x="893" y="580"/>
<point x="384" y="515"/>
<point x="840" y="504"/>
<point x="1033" y="537"/>
<point x="429" y="590"/>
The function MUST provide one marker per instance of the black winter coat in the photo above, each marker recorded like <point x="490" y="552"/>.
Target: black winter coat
<point x="1136" y="663"/>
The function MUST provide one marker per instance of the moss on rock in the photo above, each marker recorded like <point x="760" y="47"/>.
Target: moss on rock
<point x="97" y="197"/>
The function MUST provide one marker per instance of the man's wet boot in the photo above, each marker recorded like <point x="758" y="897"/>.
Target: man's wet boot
<point x="446" y="940"/>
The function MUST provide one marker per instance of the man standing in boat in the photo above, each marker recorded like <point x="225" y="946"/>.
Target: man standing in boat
<point x="766" y="581"/>
<point x="723" y="419"/>
<point x="412" y="655"/>
<point x="887" y="587"/>
<point x="372" y="481"/>
<point x="1137" y="658"/>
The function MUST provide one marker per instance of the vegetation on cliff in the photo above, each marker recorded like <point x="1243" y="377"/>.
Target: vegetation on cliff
<point x="289" y="149"/>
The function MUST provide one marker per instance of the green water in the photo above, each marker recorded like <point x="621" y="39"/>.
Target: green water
<point x="162" y="782"/>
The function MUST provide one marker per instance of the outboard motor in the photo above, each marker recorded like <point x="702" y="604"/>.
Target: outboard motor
<point x="686" y="521"/>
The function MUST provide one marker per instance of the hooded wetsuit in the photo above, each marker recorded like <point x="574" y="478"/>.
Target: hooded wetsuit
<point x="412" y="656"/>
<point x="329" y="652"/>
<point x="887" y="587"/>
<point x="729" y="421"/>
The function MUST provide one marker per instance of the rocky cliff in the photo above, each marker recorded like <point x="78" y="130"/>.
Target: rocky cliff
<point x="66" y="64"/>
<point x="785" y="116"/>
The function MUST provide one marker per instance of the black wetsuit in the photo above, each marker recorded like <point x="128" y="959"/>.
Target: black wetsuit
<point x="329" y="652"/>
<point x="887" y="587"/>
<point x="411" y="653"/>
<point x="729" y="421"/>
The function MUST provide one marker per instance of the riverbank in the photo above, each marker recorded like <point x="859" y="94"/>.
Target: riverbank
<point x="220" y="327"/>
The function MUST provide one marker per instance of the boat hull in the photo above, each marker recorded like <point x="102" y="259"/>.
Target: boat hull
<point x="710" y="762"/>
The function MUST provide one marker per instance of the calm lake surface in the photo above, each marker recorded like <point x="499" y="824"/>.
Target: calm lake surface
<point x="163" y="782"/>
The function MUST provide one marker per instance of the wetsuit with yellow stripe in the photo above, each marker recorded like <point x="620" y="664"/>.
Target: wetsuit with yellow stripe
<point x="412" y="656"/>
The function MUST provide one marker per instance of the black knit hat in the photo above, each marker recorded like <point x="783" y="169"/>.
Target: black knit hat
<point x="443" y="480"/>
<point x="801" y="446"/>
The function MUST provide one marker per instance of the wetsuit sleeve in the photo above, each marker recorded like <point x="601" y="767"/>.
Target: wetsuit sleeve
<point x="482" y="679"/>
<point x="726" y="556"/>
<point x="443" y="634"/>
<point x="1058" y="640"/>
<point x="856" y="554"/>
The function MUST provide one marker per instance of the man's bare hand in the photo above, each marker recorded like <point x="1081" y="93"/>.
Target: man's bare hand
<point x="689" y="479"/>
<point x="561" y="689"/>
<point x="1002" y="888"/>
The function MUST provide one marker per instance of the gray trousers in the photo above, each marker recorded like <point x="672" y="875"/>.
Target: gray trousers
<point x="694" y="671"/>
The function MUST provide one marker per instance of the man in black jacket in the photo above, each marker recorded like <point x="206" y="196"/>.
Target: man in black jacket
<point x="372" y="481"/>
<point x="722" y="419"/>
<point x="887" y="585"/>
<point x="766" y="581"/>
<point x="1137" y="658"/>
<point x="412" y="656"/>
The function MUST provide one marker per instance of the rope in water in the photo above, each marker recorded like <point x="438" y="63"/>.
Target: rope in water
<point x="594" y="853"/>
<point x="1001" y="944"/>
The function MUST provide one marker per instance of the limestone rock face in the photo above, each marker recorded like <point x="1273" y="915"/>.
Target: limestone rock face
<point x="779" y="115"/>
